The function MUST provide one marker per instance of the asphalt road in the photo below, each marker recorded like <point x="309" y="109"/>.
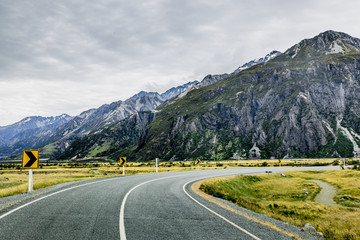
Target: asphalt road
<point x="152" y="206"/>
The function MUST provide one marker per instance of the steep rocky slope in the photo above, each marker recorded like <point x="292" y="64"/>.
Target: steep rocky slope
<point x="302" y="103"/>
<point x="110" y="140"/>
<point x="54" y="134"/>
<point x="95" y="120"/>
<point x="99" y="144"/>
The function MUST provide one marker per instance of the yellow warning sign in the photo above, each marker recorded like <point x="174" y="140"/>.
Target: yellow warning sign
<point x="197" y="161"/>
<point x="30" y="159"/>
<point x="122" y="161"/>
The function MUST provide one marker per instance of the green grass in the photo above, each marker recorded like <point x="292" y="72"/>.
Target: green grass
<point x="291" y="199"/>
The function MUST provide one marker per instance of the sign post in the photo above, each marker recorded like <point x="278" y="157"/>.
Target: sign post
<point x="279" y="162"/>
<point x="30" y="160"/>
<point x="197" y="162"/>
<point x="30" y="180"/>
<point x="123" y="163"/>
<point x="344" y="162"/>
<point x="157" y="164"/>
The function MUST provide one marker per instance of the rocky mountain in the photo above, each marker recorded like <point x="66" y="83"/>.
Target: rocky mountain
<point x="257" y="61"/>
<point x="110" y="140"/>
<point x="93" y="120"/>
<point x="53" y="135"/>
<point x="302" y="103"/>
<point x="175" y="91"/>
<point x="211" y="79"/>
<point x="172" y="94"/>
<point x="29" y="132"/>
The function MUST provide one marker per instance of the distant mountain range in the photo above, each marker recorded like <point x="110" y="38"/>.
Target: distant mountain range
<point x="300" y="103"/>
<point x="31" y="132"/>
<point x="54" y="134"/>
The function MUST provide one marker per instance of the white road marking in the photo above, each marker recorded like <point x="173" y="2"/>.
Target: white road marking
<point x="215" y="213"/>
<point x="52" y="194"/>
<point x="122" y="208"/>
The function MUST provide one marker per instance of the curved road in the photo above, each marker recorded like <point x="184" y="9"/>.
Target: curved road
<point x="152" y="206"/>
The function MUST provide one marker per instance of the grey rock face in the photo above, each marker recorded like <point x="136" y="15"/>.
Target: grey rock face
<point x="304" y="102"/>
<point x="61" y="131"/>
<point x="112" y="139"/>
<point x="254" y="62"/>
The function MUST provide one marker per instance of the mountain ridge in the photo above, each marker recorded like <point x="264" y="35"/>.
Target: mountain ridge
<point x="302" y="106"/>
<point x="29" y="132"/>
<point x="301" y="103"/>
<point x="91" y="120"/>
<point x="208" y="80"/>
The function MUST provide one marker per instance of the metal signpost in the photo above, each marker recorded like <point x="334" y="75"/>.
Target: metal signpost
<point x="123" y="163"/>
<point x="157" y="164"/>
<point x="279" y="162"/>
<point x="30" y="160"/>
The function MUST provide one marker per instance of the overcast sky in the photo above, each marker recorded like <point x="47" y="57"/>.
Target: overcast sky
<point x="68" y="56"/>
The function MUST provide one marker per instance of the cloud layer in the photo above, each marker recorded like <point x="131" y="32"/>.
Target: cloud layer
<point x="68" y="56"/>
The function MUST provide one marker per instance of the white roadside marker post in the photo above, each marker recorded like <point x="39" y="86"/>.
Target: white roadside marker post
<point x="344" y="162"/>
<point x="30" y="180"/>
<point x="157" y="164"/>
<point x="123" y="163"/>
<point x="30" y="160"/>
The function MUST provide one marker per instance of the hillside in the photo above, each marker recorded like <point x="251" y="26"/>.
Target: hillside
<point x="52" y="135"/>
<point x="29" y="133"/>
<point x="109" y="140"/>
<point x="302" y="103"/>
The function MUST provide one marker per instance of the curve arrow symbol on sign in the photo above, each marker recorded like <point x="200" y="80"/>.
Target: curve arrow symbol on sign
<point x="122" y="161"/>
<point x="33" y="159"/>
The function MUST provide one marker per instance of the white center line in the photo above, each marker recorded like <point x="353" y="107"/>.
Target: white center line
<point x="122" y="208"/>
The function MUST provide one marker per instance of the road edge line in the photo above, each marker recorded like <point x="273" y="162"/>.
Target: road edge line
<point x="218" y="215"/>
<point x="195" y="188"/>
<point x="49" y="195"/>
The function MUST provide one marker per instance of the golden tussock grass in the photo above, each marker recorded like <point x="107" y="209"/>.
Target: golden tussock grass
<point x="291" y="199"/>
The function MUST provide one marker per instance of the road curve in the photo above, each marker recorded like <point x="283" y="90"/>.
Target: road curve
<point x="152" y="206"/>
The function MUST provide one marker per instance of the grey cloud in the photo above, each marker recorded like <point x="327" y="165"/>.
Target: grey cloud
<point x="115" y="48"/>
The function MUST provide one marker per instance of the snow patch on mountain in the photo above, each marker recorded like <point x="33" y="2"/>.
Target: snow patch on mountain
<point x="257" y="61"/>
<point x="211" y="79"/>
<point x="336" y="48"/>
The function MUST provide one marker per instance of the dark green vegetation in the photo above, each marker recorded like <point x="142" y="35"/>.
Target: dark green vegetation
<point x="303" y="103"/>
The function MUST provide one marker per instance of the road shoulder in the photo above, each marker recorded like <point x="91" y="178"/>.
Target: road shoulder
<point x="279" y="226"/>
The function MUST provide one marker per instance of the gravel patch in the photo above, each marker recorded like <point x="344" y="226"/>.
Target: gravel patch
<point x="326" y="194"/>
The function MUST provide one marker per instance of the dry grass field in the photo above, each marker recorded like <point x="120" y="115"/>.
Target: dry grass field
<point x="291" y="199"/>
<point x="14" y="180"/>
